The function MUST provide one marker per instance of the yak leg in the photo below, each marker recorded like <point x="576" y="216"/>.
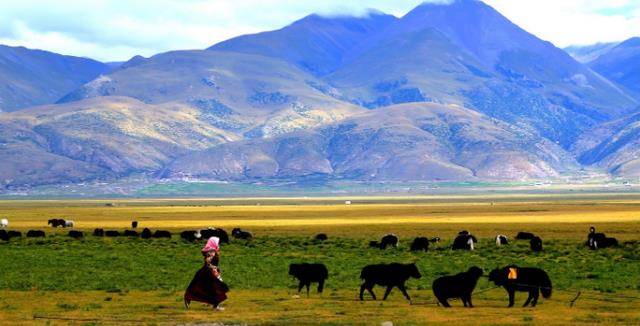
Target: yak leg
<point x="307" y="285"/>
<point x="300" y="286"/>
<point x="320" y="286"/>
<point x="469" y="301"/>
<point x="512" y="297"/>
<point x="404" y="291"/>
<point x="536" y="295"/>
<point x="387" y="291"/>
<point x="369" y="288"/>
<point x="444" y="302"/>
<point x="526" y="303"/>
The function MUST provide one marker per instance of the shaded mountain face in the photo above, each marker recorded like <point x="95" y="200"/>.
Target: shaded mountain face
<point x="621" y="64"/>
<point x="316" y="44"/>
<point x="589" y="53"/>
<point x="34" y="77"/>
<point x="616" y="147"/>
<point x="415" y="141"/>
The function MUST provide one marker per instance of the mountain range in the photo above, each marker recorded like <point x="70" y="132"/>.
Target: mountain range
<point x="447" y="92"/>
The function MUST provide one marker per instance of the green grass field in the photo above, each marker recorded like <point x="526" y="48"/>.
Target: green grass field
<point x="58" y="280"/>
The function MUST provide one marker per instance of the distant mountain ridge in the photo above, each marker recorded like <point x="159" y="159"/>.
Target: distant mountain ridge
<point x="445" y="93"/>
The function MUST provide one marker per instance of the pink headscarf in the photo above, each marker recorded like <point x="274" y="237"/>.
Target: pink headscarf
<point x="212" y="245"/>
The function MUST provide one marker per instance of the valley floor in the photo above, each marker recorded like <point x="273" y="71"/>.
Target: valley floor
<point x="58" y="280"/>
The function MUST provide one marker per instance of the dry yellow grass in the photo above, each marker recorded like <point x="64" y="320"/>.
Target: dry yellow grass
<point x="280" y="307"/>
<point x="308" y="214"/>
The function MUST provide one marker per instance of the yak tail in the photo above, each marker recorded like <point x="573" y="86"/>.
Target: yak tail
<point x="546" y="287"/>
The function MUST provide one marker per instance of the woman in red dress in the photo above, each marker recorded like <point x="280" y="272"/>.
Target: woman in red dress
<point x="207" y="285"/>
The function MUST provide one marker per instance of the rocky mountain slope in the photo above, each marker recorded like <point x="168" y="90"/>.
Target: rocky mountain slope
<point x="446" y="92"/>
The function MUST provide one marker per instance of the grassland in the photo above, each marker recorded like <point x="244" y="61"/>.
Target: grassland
<point x="106" y="281"/>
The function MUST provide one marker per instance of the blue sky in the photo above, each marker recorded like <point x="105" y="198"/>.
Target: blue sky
<point x="111" y="30"/>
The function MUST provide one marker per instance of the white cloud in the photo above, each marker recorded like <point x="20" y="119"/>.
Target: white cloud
<point x="117" y="30"/>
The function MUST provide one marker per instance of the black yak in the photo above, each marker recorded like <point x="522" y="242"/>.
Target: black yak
<point x="391" y="275"/>
<point x="14" y="234"/>
<point x="4" y="236"/>
<point x="536" y="244"/>
<point x="56" y="222"/>
<point x="389" y="240"/>
<point x="130" y="233"/>
<point x="215" y="232"/>
<point x="146" y="234"/>
<point x="464" y="241"/>
<point x="35" y="234"/>
<point x="308" y="273"/>
<point x="241" y="234"/>
<point x="76" y="234"/>
<point x="112" y="233"/>
<point x="514" y="278"/>
<point x="460" y="286"/>
<point x="134" y="224"/>
<point x="599" y="240"/>
<point x="161" y="234"/>
<point x="501" y="240"/>
<point x="524" y="236"/>
<point x="420" y="244"/>
<point x="98" y="233"/>
<point x="321" y="237"/>
<point x="190" y="236"/>
<point x="374" y="244"/>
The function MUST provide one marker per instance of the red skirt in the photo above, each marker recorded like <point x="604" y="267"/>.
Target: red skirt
<point x="205" y="287"/>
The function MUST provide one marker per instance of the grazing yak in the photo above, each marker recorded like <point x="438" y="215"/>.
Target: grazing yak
<point x="599" y="240"/>
<point x="389" y="240"/>
<point x="241" y="234"/>
<point x="420" y="244"/>
<point x="514" y="278"/>
<point x="4" y="223"/>
<point x="14" y="234"/>
<point x="524" y="236"/>
<point x="146" y="234"/>
<point x="56" y="222"/>
<point x="308" y="273"/>
<point x="389" y="275"/>
<point x="536" y="244"/>
<point x="190" y="236"/>
<point x="112" y="233"/>
<point x="134" y="224"/>
<point x="162" y="234"/>
<point x="501" y="240"/>
<point x="321" y="237"/>
<point x="215" y="232"/>
<point x="98" y="233"/>
<point x="69" y="224"/>
<point x="35" y="234"/>
<point x="7" y="235"/>
<point x="464" y="241"/>
<point x="460" y="286"/>
<point x="76" y="234"/>
<point x="423" y="243"/>
<point x="130" y="233"/>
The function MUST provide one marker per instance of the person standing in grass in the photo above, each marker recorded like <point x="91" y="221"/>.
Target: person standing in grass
<point x="207" y="285"/>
